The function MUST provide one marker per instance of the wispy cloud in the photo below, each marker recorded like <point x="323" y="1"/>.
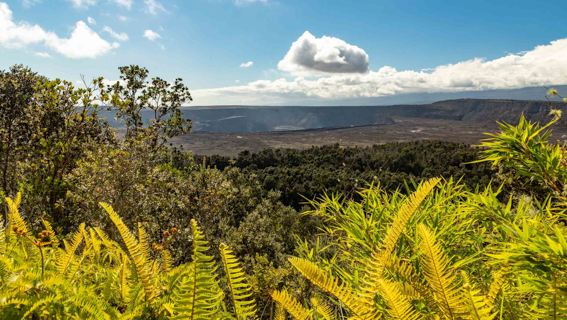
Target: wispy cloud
<point x="246" y="64"/>
<point x="153" y="7"/>
<point x="43" y="54"/>
<point x="30" y="3"/>
<point x="83" y="4"/>
<point x="124" y="3"/>
<point x="151" y="35"/>
<point x="118" y="36"/>
<point x="91" y="20"/>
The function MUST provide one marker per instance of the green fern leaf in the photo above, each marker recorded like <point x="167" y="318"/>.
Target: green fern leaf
<point x="141" y="262"/>
<point x="398" y="306"/>
<point x="439" y="275"/>
<point x="330" y="284"/>
<point x="291" y="305"/>
<point x="322" y="309"/>
<point x="66" y="257"/>
<point x="239" y="289"/>
<point x="199" y="296"/>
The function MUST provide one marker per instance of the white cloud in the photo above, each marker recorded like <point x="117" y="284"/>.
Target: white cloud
<point x="247" y="64"/>
<point x="30" y="3"/>
<point x="244" y="2"/>
<point x="236" y="81"/>
<point x="91" y="20"/>
<point x="124" y="3"/>
<point x="310" y="56"/>
<point x="118" y="36"/>
<point x="83" y="4"/>
<point x="43" y="54"/>
<point x="123" y="18"/>
<point x="83" y="43"/>
<point x="544" y="65"/>
<point x="153" y="7"/>
<point x="151" y="35"/>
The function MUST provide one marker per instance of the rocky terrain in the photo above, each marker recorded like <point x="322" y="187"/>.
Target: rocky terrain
<point x="228" y="130"/>
<point x="263" y="119"/>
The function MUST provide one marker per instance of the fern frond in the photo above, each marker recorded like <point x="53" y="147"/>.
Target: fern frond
<point x="330" y="284"/>
<point x="66" y="256"/>
<point x="478" y="308"/>
<point x="439" y="275"/>
<point x="52" y="237"/>
<point x="291" y="305"/>
<point x="405" y="214"/>
<point x="199" y="296"/>
<point x="144" y="242"/>
<point x="496" y="286"/>
<point x="404" y="270"/>
<point x="165" y="260"/>
<point x="14" y="216"/>
<point x="322" y="309"/>
<point x="398" y="306"/>
<point x="381" y="255"/>
<point x="280" y="312"/>
<point x="137" y="253"/>
<point x="239" y="289"/>
<point x="408" y="291"/>
<point x="123" y="275"/>
<point x="39" y="303"/>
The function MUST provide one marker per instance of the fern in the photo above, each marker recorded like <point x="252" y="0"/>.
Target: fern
<point x="66" y="256"/>
<point x="496" y="286"/>
<point x="137" y="253"/>
<point x="404" y="216"/>
<point x="14" y="216"/>
<point x="39" y="303"/>
<point x="239" y="289"/>
<point x="291" y="305"/>
<point x="280" y="312"/>
<point x="398" y="306"/>
<point x="198" y="296"/>
<point x="165" y="261"/>
<point x="437" y="272"/>
<point x="330" y="284"/>
<point x="380" y="257"/>
<point x="322" y="309"/>
<point x="479" y="309"/>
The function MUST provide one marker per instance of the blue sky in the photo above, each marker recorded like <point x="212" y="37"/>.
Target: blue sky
<point x="352" y="49"/>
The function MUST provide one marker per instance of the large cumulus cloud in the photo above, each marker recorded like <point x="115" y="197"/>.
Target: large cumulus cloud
<point x="83" y="43"/>
<point x="310" y="56"/>
<point x="544" y="65"/>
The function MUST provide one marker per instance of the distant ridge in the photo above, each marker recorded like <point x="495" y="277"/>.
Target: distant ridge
<point x="294" y="118"/>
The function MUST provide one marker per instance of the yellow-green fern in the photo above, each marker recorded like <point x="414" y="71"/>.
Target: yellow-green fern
<point x="244" y="307"/>
<point x="137" y="253"/>
<point x="439" y="275"/>
<point x="199" y="296"/>
<point x="66" y="256"/>
<point x="332" y="285"/>
<point x="325" y="311"/>
<point x="398" y="306"/>
<point x="291" y="305"/>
